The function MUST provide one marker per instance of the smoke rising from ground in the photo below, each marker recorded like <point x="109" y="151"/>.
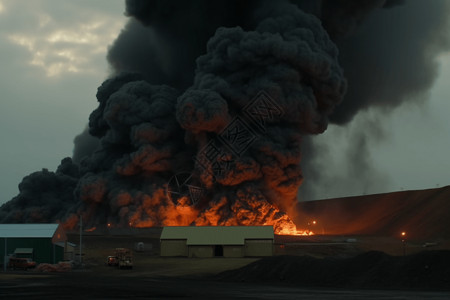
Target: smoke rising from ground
<point x="182" y="71"/>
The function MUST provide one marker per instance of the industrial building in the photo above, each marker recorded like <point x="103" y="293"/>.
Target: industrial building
<point x="43" y="243"/>
<point x="217" y="241"/>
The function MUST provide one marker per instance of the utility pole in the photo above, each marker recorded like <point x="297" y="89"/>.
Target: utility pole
<point x="6" y="254"/>
<point x="81" y="234"/>
<point x="404" y="242"/>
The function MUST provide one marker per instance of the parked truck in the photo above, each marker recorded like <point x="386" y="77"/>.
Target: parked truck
<point x="21" y="263"/>
<point x="125" y="258"/>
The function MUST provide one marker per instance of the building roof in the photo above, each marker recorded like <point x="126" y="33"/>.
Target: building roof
<point x="216" y="235"/>
<point x="23" y="251"/>
<point x="62" y="244"/>
<point x="28" y="230"/>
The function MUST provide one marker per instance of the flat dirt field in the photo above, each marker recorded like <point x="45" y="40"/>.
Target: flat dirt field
<point x="278" y="277"/>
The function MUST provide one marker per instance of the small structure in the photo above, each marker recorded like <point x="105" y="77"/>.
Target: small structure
<point x="139" y="247"/>
<point x="217" y="241"/>
<point x="24" y="253"/>
<point x="36" y="241"/>
<point x="69" y="249"/>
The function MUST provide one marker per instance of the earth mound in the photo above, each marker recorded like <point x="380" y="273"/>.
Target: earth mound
<point x="423" y="214"/>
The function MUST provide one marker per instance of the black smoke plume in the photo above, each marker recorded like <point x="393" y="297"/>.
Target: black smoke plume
<point x="183" y="71"/>
<point x="389" y="60"/>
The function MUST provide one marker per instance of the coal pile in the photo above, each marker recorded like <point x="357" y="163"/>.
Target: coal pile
<point x="429" y="270"/>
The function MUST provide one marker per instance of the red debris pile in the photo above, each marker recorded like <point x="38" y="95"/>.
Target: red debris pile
<point x="59" y="267"/>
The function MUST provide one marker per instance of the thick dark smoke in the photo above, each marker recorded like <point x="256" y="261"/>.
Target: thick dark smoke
<point x="290" y="57"/>
<point x="44" y="195"/>
<point x="168" y="36"/>
<point x="395" y="49"/>
<point x="389" y="61"/>
<point x="84" y="145"/>
<point x="183" y="71"/>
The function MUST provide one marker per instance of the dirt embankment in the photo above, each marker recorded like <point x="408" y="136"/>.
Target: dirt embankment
<point x="422" y="214"/>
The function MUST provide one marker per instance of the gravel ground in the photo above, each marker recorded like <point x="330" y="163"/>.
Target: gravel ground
<point x="428" y="270"/>
<point x="91" y="285"/>
<point x="336" y="271"/>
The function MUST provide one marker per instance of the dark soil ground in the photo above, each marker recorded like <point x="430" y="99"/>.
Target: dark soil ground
<point x="89" y="285"/>
<point x="428" y="270"/>
<point x="327" y="267"/>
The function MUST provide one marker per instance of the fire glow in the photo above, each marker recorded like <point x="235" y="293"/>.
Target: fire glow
<point x="189" y="216"/>
<point x="295" y="232"/>
<point x="260" y="213"/>
<point x="279" y="230"/>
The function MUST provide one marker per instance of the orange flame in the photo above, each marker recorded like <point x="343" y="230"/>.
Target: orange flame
<point x="247" y="209"/>
<point x="289" y="230"/>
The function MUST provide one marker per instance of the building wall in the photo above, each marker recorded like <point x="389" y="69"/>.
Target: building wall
<point x="25" y="255"/>
<point x="252" y="248"/>
<point x="168" y="248"/>
<point x="69" y="253"/>
<point x="258" y="248"/>
<point x="59" y="235"/>
<point x="44" y="251"/>
<point x="174" y="248"/>
<point x="233" y="251"/>
<point x="201" y="251"/>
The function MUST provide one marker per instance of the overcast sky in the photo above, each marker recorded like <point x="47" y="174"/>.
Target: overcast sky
<point x="52" y="58"/>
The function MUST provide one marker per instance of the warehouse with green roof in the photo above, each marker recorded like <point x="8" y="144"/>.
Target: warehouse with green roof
<point x="217" y="241"/>
<point x="40" y="242"/>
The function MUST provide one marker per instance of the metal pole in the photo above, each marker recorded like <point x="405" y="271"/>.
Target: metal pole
<point x="81" y="234"/>
<point x="403" y="234"/>
<point x="4" y="257"/>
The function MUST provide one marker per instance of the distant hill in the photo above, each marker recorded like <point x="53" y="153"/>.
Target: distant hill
<point x="420" y="213"/>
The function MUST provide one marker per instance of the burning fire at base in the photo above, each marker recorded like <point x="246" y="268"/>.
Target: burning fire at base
<point x="289" y="231"/>
<point x="189" y="216"/>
